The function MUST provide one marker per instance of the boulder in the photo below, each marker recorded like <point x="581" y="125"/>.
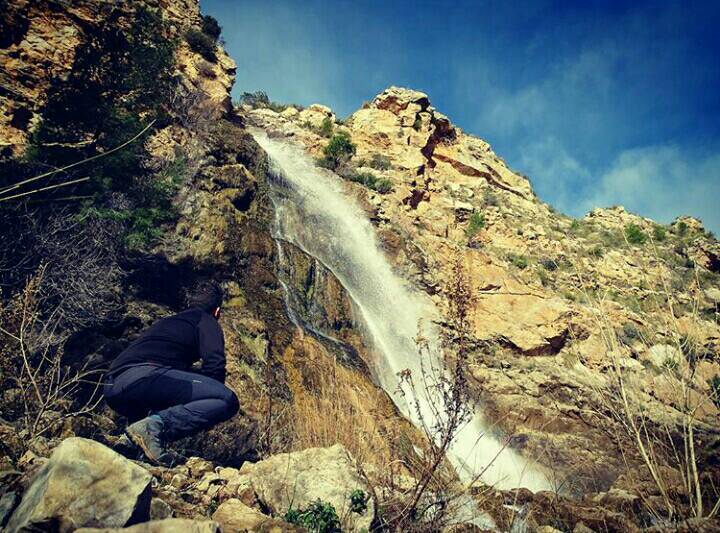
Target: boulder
<point x="663" y="355"/>
<point x="300" y="478"/>
<point x="169" y="525"/>
<point x="289" y="112"/>
<point x="315" y="115"/>
<point x="159" y="509"/>
<point x="713" y="294"/>
<point x="234" y="517"/>
<point x="85" y="484"/>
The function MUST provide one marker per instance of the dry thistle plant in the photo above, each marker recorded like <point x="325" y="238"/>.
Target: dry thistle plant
<point x="433" y="497"/>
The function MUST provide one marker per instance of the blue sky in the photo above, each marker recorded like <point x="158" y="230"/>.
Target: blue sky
<point x="599" y="103"/>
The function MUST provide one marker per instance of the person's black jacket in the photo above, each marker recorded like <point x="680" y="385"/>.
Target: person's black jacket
<point x="178" y="341"/>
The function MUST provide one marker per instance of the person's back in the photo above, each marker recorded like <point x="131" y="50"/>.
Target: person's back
<point x="178" y="341"/>
<point x="151" y="381"/>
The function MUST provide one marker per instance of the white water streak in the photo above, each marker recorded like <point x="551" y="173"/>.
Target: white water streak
<point x="314" y="213"/>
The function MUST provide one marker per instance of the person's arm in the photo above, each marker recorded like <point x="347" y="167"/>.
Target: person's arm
<point x="211" y="345"/>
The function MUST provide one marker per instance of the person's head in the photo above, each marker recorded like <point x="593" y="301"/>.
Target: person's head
<point x="208" y="296"/>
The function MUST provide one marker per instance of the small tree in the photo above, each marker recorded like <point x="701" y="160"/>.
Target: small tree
<point x="444" y="393"/>
<point x="326" y="128"/>
<point x="201" y="43"/>
<point x="121" y="78"/>
<point x="477" y="222"/>
<point x="211" y="27"/>
<point x="338" y="151"/>
<point x="256" y="99"/>
<point x="659" y="233"/>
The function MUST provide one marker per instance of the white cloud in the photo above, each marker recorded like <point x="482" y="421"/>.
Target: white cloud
<point x="662" y="182"/>
<point x="556" y="175"/>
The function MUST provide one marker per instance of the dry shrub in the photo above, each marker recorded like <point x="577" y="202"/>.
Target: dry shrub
<point x="334" y="404"/>
<point x="39" y="391"/>
<point x="675" y="482"/>
<point x="81" y="280"/>
<point x="427" y="495"/>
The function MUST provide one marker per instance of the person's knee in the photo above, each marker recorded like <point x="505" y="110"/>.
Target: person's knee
<point x="232" y="404"/>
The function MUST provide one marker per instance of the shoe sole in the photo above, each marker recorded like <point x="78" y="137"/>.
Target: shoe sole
<point x="138" y="441"/>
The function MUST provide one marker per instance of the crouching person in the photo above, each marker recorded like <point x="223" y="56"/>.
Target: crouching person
<point x="151" y="383"/>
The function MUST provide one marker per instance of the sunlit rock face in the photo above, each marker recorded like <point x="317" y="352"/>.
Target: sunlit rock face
<point x="557" y="302"/>
<point x="43" y="38"/>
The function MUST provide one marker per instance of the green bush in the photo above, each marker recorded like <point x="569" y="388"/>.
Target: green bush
<point x="326" y="127"/>
<point x="358" y="501"/>
<point x="380" y="162"/>
<point x="256" y="99"/>
<point x="338" y="150"/>
<point x="383" y="186"/>
<point x="118" y="75"/>
<point x="682" y="228"/>
<point x="659" y="233"/>
<point x="201" y="43"/>
<point x="475" y="224"/>
<point x="369" y="180"/>
<point x="596" y="251"/>
<point x="548" y="264"/>
<point x="211" y="27"/>
<point x="629" y="334"/>
<point x="364" y="178"/>
<point x="319" y="517"/>
<point x="634" y="234"/>
<point x="519" y="261"/>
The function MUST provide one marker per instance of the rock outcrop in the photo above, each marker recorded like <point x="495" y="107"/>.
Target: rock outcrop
<point x="295" y="480"/>
<point x="559" y="308"/>
<point x="45" y="36"/>
<point x="84" y="484"/>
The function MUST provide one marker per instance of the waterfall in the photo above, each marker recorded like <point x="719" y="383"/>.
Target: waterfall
<point x="314" y="213"/>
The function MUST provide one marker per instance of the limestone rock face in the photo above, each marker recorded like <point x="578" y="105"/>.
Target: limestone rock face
<point x="556" y="302"/>
<point x="41" y="43"/>
<point x="85" y="484"/>
<point x="298" y="479"/>
<point x="169" y="525"/>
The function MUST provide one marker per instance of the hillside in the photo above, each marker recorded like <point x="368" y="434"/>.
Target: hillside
<point x="587" y="350"/>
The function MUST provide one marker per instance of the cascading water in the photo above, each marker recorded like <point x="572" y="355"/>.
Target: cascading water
<point x="314" y="213"/>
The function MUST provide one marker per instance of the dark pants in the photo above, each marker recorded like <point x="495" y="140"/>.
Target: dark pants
<point x="186" y="402"/>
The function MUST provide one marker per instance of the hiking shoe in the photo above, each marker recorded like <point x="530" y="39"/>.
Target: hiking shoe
<point x="147" y="434"/>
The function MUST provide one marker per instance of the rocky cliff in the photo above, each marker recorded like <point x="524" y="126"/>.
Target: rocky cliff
<point x="592" y="339"/>
<point x="569" y="311"/>
<point x="283" y="375"/>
